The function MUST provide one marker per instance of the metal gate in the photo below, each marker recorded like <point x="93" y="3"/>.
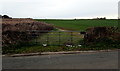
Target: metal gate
<point x="56" y="38"/>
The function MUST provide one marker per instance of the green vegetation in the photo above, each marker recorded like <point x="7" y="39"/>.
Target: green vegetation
<point x="105" y="43"/>
<point x="81" y="24"/>
<point x="33" y="48"/>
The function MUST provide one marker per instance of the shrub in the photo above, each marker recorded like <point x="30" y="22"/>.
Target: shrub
<point x="22" y="30"/>
<point x="105" y="37"/>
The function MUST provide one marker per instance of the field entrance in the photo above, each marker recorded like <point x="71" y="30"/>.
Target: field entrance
<point x="48" y="41"/>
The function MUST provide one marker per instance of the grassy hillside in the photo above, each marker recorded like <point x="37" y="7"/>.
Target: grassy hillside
<point x="79" y="25"/>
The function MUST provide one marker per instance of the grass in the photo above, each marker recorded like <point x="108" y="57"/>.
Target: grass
<point x="36" y="48"/>
<point x="80" y="25"/>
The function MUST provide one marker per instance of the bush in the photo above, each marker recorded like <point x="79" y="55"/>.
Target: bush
<point x="22" y="30"/>
<point x="105" y="37"/>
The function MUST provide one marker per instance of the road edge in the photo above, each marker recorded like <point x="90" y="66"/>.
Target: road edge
<point x="53" y="53"/>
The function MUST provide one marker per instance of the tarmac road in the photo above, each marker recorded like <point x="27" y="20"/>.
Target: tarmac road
<point x="97" y="60"/>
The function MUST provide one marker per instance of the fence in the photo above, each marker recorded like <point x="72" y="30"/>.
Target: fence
<point x="55" y="38"/>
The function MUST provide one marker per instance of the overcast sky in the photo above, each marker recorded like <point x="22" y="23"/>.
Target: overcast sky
<point x="59" y="8"/>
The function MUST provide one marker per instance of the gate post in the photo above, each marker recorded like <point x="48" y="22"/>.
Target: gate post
<point x="59" y="39"/>
<point x="48" y="39"/>
<point x="71" y="37"/>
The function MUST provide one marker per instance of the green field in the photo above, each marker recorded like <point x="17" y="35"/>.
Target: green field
<point x="79" y="25"/>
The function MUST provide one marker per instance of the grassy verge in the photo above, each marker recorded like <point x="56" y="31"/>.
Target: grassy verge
<point x="35" y="48"/>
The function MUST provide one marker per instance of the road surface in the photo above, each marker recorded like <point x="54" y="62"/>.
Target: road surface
<point x="98" y="60"/>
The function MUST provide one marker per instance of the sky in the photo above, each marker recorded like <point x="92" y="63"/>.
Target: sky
<point x="59" y="9"/>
